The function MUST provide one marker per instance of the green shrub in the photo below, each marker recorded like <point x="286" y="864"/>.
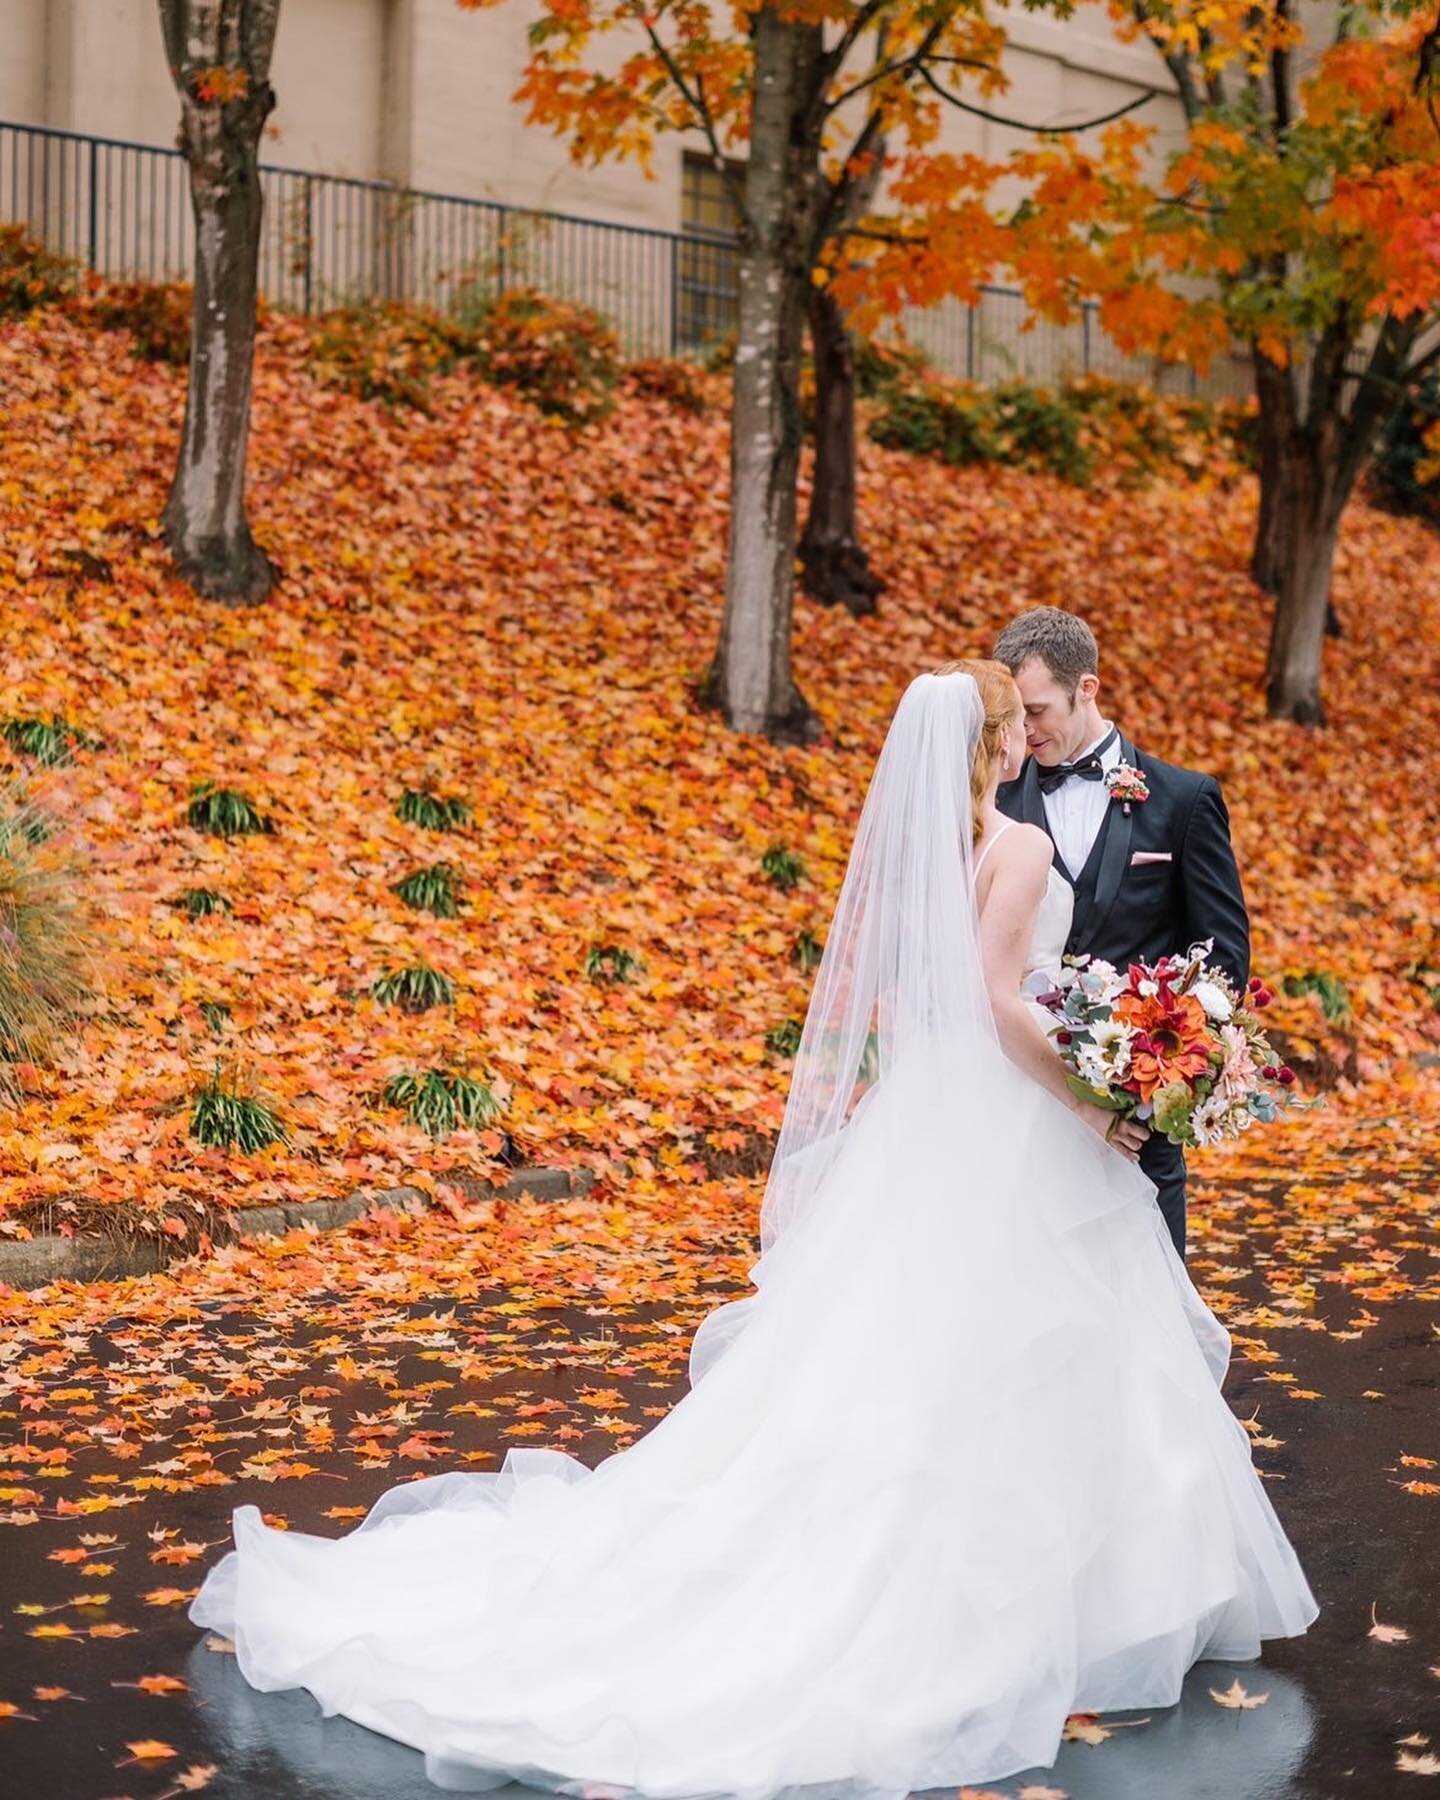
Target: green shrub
<point x="436" y="812"/>
<point x="564" y="358"/>
<point x="46" y="939"/>
<point x="669" y="380"/>
<point x="434" y="889"/>
<point x="881" y="365"/>
<point x="1406" y="471"/>
<point x="414" y="989"/>
<point x="157" y="314"/>
<point x="608" y="962"/>
<point x="30" y="275"/>
<point x="224" y="812"/>
<point x="226" y="1114"/>
<point x="439" y="1101"/>
<point x="783" y="867"/>
<point x="936" y="421"/>
<point x="1088" y="423"/>
<point x="384" y="351"/>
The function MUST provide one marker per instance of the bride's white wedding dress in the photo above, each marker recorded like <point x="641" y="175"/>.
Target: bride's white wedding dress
<point x="958" y="1468"/>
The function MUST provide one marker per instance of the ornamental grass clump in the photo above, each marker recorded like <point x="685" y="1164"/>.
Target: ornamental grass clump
<point x="783" y="867"/>
<point x="50" y="742"/>
<point x="414" y="989"/>
<point x="228" y="1114"/>
<point x="609" y="962"/>
<point x="440" y="1101"/>
<point x="435" y="812"/>
<point x="202" y="903"/>
<point x="224" y="812"/>
<point x="46" y="940"/>
<point x="784" y="1039"/>
<point x="435" y="889"/>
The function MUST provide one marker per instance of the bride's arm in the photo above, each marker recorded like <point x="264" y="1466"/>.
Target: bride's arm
<point x="1020" y="866"/>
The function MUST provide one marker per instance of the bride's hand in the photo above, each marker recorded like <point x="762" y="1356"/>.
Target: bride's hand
<point x="1125" y="1135"/>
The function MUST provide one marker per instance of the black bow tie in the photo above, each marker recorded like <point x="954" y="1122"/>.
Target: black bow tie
<point x="1088" y="768"/>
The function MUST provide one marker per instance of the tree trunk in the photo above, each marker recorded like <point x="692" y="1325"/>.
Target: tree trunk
<point x="1307" y="502"/>
<point x="220" y="56"/>
<point x="1275" y="423"/>
<point x="836" y="569"/>
<point x="750" y="679"/>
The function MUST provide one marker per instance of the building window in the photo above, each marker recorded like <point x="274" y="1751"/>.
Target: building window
<point x="707" y="287"/>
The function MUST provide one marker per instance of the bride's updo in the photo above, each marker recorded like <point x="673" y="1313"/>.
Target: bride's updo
<point x="1001" y="699"/>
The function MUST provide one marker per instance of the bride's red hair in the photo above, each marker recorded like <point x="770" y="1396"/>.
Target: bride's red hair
<point x="1001" y="699"/>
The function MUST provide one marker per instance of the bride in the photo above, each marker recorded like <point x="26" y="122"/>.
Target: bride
<point x="958" y="1467"/>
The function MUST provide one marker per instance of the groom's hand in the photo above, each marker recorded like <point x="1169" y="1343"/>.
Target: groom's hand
<point x="1128" y="1136"/>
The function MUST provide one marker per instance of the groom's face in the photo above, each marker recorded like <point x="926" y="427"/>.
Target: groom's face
<point x="1058" y="724"/>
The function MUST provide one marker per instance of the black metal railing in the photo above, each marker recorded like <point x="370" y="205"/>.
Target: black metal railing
<point x="123" y="210"/>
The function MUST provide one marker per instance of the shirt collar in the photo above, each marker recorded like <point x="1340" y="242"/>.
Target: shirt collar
<point x="1111" y="753"/>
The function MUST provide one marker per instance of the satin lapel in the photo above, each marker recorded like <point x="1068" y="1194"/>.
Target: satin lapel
<point x="1114" y="860"/>
<point x="1032" y="811"/>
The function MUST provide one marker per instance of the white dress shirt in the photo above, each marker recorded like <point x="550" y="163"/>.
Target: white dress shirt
<point x="1075" y="810"/>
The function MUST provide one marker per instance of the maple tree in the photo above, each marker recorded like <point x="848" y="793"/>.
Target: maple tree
<point x="219" y="53"/>
<point x="1300" y="216"/>
<point x="817" y="94"/>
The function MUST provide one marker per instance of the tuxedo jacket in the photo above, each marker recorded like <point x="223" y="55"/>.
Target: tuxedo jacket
<point x="1185" y="887"/>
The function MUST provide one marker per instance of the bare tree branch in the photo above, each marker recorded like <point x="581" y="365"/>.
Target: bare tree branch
<point x="994" y="118"/>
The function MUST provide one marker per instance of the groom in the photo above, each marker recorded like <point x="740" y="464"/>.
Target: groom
<point x="1151" y="877"/>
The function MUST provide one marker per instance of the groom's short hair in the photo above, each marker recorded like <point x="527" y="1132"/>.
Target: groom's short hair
<point x="1066" y="645"/>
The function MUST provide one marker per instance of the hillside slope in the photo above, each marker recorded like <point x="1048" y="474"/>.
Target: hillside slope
<point x="478" y="601"/>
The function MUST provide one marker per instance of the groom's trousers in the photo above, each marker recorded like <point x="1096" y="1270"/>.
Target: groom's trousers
<point x="1164" y="1163"/>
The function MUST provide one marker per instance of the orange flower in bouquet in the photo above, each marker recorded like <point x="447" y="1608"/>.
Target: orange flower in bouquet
<point x="1172" y="1041"/>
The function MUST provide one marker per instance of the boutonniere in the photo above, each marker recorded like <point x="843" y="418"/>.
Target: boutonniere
<point x="1125" y="783"/>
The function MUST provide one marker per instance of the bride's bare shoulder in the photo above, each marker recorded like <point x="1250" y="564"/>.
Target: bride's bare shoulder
<point x="1023" y="848"/>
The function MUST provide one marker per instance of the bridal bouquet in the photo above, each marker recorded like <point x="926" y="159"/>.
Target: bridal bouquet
<point x="1171" y="1044"/>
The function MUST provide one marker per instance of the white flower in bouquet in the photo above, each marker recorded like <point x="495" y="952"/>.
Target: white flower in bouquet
<point x="1214" y="999"/>
<point x="1210" y="1118"/>
<point x="1113" y="1038"/>
<point x="1092" y="1065"/>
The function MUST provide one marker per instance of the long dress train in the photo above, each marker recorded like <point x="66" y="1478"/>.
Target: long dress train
<point x="959" y="1467"/>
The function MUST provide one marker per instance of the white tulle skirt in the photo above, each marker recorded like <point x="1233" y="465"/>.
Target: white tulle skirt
<point x="960" y="1467"/>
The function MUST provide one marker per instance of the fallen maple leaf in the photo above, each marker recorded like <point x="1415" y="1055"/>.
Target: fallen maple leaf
<point x="148" y="1750"/>
<point x="1236" y="1696"/>
<point x="1386" y="1634"/>
<point x="154" y="1684"/>
<point x="192" y="1780"/>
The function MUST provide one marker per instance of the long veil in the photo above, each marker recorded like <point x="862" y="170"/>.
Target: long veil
<point x="900" y="972"/>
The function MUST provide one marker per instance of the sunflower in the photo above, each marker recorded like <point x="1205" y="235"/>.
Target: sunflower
<point x="1171" y="1043"/>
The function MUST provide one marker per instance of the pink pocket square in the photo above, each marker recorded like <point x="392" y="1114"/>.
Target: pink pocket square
<point x="1150" y="856"/>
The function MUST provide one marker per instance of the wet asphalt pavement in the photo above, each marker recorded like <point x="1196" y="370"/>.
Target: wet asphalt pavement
<point x="1340" y="1705"/>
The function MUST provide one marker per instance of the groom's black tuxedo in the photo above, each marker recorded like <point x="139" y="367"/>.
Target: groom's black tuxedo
<point x="1127" y="911"/>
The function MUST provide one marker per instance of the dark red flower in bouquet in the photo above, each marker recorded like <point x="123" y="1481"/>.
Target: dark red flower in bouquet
<point x="1172" y="1041"/>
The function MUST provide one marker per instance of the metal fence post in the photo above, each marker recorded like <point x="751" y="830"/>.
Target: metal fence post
<point x="970" y="341"/>
<point x="502" y="216"/>
<point x="1085" y="340"/>
<point x="308" y="279"/>
<point x="94" y="231"/>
